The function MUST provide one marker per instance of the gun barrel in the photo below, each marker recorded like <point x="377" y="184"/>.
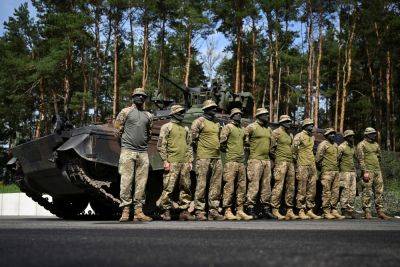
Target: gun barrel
<point x="184" y="90"/>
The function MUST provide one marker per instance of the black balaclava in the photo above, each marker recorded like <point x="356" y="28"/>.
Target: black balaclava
<point x="179" y="116"/>
<point x="371" y="137"/>
<point x="309" y="129"/>
<point x="139" y="100"/>
<point x="209" y="113"/>
<point x="237" y="117"/>
<point x="350" y="140"/>
<point x="263" y="118"/>
<point x="286" y="124"/>
<point x="331" y="137"/>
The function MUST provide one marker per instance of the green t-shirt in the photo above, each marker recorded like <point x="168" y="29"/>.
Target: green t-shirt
<point x="327" y="155"/>
<point x="303" y="146"/>
<point x="208" y="144"/>
<point x="235" y="148"/>
<point x="259" y="138"/>
<point x="283" y="143"/>
<point x="346" y="157"/>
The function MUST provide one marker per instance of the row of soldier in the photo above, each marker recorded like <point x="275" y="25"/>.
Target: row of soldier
<point x="293" y="161"/>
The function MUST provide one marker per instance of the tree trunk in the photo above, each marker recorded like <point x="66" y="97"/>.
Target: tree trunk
<point x="67" y="86"/>
<point x="161" y="59"/>
<point x="388" y="101"/>
<point x="318" y="82"/>
<point x="85" y="89"/>
<point x="188" y="56"/>
<point x="116" y="85"/>
<point x="337" y="99"/>
<point x="132" y="56"/>
<point x="96" y="86"/>
<point x="372" y="79"/>
<point x="145" y="50"/>
<point x="239" y="25"/>
<point x="271" y="88"/>
<point x="278" y="95"/>
<point x="253" y="63"/>
<point x="310" y="62"/>
<point x="42" y="110"/>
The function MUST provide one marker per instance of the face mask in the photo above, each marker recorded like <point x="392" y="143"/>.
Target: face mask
<point x="287" y="125"/>
<point x="331" y="137"/>
<point x="263" y="118"/>
<point x="350" y="139"/>
<point x="237" y="117"/>
<point x="139" y="99"/>
<point x="178" y="116"/>
<point x="309" y="129"/>
<point x="210" y="112"/>
<point x="372" y="136"/>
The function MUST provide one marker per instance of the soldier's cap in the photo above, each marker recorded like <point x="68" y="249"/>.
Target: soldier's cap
<point x="369" y="130"/>
<point x="261" y="111"/>
<point x="284" y="118"/>
<point x="176" y="109"/>
<point x="328" y="131"/>
<point x="209" y="104"/>
<point x="139" y="91"/>
<point x="235" y="111"/>
<point x="307" y="121"/>
<point x="348" y="133"/>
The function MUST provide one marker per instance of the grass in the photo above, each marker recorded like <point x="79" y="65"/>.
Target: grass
<point x="12" y="188"/>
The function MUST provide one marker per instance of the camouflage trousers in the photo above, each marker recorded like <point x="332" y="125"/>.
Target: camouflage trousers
<point x="133" y="167"/>
<point x="330" y="189"/>
<point x="234" y="176"/>
<point x="306" y="176"/>
<point x="178" y="175"/>
<point x="283" y="174"/>
<point x="208" y="171"/>
<point x="374" y="186"/>
<point x="259" y="175"/>
<point x="348" y="183"/>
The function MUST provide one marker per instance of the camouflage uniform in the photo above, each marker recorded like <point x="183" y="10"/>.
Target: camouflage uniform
<point x="258" y="137"/>
<point x="208" y="162"/>
<point x="232" y="135"/>
<point x="284" y="172"/>
<point x="327" y="155"/>
<point x="347" y="176"/>
<point x="174" y="147"/>
<point x="369" y="155"/>
<point x="306" y="172"/>
<point x="133" y="164"/>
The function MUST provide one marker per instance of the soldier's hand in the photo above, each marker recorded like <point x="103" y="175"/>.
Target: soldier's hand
<point x="167" y="166"/>
<point x="190" y="166"/>
<point x="366" y="177"/>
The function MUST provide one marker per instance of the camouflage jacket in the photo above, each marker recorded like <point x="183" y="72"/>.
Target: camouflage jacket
<point x="327" y="156"/>
<point x="303" y="146"/>
<point x="232" y="138"/>
<point x="205" y="135"/>
<point x="174" y="143"/>
<point x="368" y="156"/>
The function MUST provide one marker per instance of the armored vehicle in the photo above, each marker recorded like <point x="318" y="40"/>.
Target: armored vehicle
<point x="78" y="166"/>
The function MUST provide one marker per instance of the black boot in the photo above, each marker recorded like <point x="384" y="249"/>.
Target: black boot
<point x="267" y="214"/>
<point x="251" y="211"/>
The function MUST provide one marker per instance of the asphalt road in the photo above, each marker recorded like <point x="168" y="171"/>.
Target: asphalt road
<point x="54" y="242"/>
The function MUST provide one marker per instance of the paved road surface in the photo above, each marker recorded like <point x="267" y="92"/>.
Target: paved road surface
<point x="54" y="242"/>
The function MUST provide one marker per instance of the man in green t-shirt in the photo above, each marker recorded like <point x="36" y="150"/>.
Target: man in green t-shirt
<point x="205" y="134"/>
<point x="232" y="137"/>
<point x="306" y="171"/>
<point x="347" y="175"/>
<point x="174" y="147"/>
<point x="284" y="173"/>
<point x="327" y="160"/>
<point x="258" y="137"/>
<point x="369" y="156"/>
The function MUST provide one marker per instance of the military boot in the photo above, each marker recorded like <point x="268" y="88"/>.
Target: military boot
<point x="125" y="214"/>
<point x="367" y="214"/>
<point x="241" y="215"/>
<point x="328" y="215"/>
<point x="229" y="215"/>
<point x="277" y="214"/>
<point x="251" y="211"/>
<point x="139" y="216"/>
<point x="214" y="215"/>
<point x="335" y="213"/>
<point x="266" y="212"/>
<point x="303" y="216"/>
<point x="186" y="216"/>
<point x="382" y="215"/>
<point x="313" y="216"/>
<point x="290" y="215"/>
<point x="200" y="215"/>
<point x="350" y="214"/>
<point x="166" y="216"/>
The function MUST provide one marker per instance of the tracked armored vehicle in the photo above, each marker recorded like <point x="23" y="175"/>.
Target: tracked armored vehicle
<point x="78" y="166"/>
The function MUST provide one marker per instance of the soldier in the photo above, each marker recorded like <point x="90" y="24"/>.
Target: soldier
<point x="174" y="147"/>
<point x="284" y="172"/>
<point x="232" y="137"/>
<point x="327" y="159"/>
<point x="369" y="156"/>
<point x="205" y="134"/>
<point x="306" y="171"/>
<point x="134" y="123"/>
<point x="258" y="137"/>
<point x="347" y="175"/>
